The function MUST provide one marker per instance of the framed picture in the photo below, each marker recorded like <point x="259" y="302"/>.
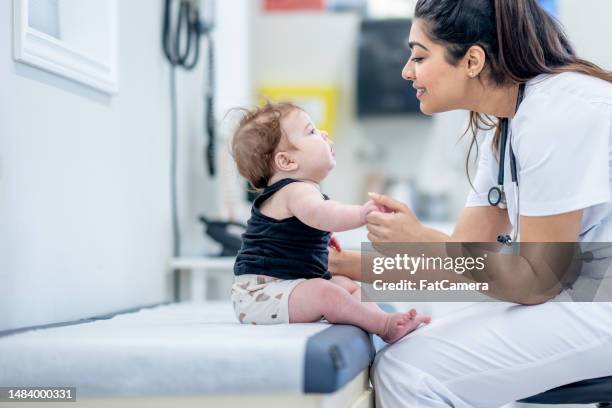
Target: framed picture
<point x="318" y="101"/>
<point x="72" y="38"/>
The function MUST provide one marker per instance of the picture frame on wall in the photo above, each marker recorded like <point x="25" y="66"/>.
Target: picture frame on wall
<point x="71" y="38"/>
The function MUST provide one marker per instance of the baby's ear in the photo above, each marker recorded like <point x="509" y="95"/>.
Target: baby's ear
<point x="283" y="161"/>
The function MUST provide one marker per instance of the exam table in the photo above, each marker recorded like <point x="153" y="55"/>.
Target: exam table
<point x="193" y="354"/>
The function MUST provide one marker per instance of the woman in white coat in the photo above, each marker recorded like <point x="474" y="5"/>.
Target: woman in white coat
<point x="475" y="55"/>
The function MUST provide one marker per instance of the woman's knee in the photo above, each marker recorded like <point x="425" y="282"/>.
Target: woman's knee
<point x="390" y="383"/>
<point x="397" y="383"/>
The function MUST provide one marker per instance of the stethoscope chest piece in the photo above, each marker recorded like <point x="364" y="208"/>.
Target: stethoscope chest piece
<point x="497" y="197"/>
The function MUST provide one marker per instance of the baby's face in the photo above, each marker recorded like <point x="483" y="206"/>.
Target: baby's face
<point x="312" y="149"/>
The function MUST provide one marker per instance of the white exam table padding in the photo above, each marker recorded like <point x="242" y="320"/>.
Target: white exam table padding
<point x="186" y="349"/>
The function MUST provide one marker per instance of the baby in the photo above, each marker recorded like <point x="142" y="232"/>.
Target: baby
<point x="281" y="269"/>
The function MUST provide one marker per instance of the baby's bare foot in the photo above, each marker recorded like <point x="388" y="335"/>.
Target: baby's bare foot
<point x="400" y="324"/>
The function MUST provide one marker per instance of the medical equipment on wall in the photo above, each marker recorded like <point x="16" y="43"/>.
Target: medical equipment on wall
<point x="226" y="233"/>
<point x="497" y="196"/>
<point x="184" y="21"/>
<point x="382" y="54"/>
<point x="181" y="44"/>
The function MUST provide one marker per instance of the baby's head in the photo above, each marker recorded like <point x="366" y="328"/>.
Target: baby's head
<point x="277" y="141"/>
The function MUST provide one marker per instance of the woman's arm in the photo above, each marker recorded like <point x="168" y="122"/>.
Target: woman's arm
<point x="553" y="228"/>
<point x="534" y="276"/>
<point x="481" y="224"/>
<point x="475" y="224"/>
<point x="346" y="263"/>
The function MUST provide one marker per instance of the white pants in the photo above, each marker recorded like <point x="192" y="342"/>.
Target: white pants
<point x="491" y="354"/>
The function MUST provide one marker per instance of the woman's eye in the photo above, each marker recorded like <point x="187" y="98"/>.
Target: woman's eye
<point x="415" y="59"/>
<point x="313" y="131"/>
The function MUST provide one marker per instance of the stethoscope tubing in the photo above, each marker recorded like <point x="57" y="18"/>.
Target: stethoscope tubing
<point x="497" y="195"/>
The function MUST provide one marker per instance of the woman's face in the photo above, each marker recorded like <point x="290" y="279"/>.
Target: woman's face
<point x="440" y="86"/>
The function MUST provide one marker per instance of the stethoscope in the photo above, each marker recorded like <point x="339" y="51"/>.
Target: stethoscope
<point x="497" y="195"/>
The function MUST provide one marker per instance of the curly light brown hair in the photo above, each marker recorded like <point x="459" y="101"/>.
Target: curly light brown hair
<point x="256" y="140"/>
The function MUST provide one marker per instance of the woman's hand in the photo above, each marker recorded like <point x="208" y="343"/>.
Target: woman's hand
<point x="346" y="263"/>
<point x="396" y="224"/>
<point x="334" y="243"/>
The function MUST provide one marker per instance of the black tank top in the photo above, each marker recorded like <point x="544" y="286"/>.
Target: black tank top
<point x="285" y="249"/>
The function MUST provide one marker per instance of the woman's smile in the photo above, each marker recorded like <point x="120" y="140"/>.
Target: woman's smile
<point x="419" y="92"/>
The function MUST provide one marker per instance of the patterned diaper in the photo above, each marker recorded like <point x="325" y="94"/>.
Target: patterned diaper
<point x="260" y="299"/>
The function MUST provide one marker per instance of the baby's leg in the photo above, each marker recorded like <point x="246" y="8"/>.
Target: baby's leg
<point x="347" y="283"/>
<point x="316" y="298"/>
<point x="354" y="289"/>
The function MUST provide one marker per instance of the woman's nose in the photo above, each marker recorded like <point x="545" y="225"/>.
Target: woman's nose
<point x="408" y="72"/>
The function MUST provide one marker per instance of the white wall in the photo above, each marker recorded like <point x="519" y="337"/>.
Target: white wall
<point x="85" y="222"/>
<point x="588" y="27"/>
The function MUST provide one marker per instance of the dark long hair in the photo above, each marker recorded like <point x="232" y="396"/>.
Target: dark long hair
<point x="520" y="39"/>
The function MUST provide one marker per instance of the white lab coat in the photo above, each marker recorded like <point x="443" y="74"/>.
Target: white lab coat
<point x="490" y="354"/>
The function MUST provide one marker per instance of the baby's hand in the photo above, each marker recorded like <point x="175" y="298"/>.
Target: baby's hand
<point x="367" y="208"/>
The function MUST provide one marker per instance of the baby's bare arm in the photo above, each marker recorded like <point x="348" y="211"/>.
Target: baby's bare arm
<point x="306" y="203"/>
